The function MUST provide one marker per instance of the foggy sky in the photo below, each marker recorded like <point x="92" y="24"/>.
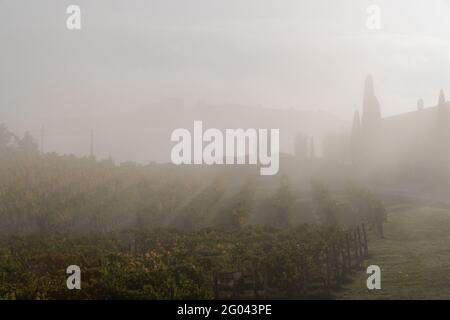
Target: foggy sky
<point x="132" y="55"/>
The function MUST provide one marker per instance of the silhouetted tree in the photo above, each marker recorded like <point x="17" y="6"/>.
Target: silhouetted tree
<point x="27" y="144"/>
<point x="442" y="113"/>
<point x="6" y="137"/>
<point x="371" y="117"/>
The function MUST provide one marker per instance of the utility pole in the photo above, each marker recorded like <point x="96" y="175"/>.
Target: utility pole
<point x="42" y="139"/>
<point x="92" y="143"/>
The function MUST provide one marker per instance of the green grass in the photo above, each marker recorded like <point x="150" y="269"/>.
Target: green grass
<point x="414" y="257"/>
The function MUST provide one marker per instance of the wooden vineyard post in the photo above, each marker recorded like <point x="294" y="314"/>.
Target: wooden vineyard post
<point x="255" y="282"/>
<point x="360" y="244"/>
<point x="336" y="266"/>
<point x="366" y="247"/>
<point x="265" y="284"/>
<point x="344" y="263"/>
<point x="216" y="286"/>
<point x="341" y="253"/>
<point x="349" y="255"/>
<point x="327" y="268"/>
<point x="303" y="273"/>
<point x="355" y="245"/>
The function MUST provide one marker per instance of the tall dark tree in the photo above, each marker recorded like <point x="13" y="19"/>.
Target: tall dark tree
<point x="441" y="152"/>
<point x="442" y="113"/>
<point x="441" y="101"/>
<point x="371" y="108"/>
<point x="6" y="137"/>
<point x="27" y="144"/>
<point x="370" y="119"/>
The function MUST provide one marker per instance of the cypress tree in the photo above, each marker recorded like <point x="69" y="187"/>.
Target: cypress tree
<point x="370" y="119"/>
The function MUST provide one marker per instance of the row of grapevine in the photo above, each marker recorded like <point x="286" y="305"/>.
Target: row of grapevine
<point x="338" y="260"/>
<point x="254" y="262"/>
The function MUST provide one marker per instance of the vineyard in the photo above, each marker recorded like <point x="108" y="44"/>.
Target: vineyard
<point x="162" y="232"/>
<point x="304" y="262"/>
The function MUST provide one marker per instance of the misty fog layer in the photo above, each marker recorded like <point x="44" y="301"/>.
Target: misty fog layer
<point x="136" y="72"/>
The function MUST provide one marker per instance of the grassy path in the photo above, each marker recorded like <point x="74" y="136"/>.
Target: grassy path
<point x="414" y="257"/>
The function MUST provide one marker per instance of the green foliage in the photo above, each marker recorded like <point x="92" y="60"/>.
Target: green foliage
<point x="48" y="194"/>
<point x="155" y="231"/>
<point x="160" y="264"/>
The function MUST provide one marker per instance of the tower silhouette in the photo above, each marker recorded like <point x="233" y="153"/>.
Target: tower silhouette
<point x="371" y="115"/>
